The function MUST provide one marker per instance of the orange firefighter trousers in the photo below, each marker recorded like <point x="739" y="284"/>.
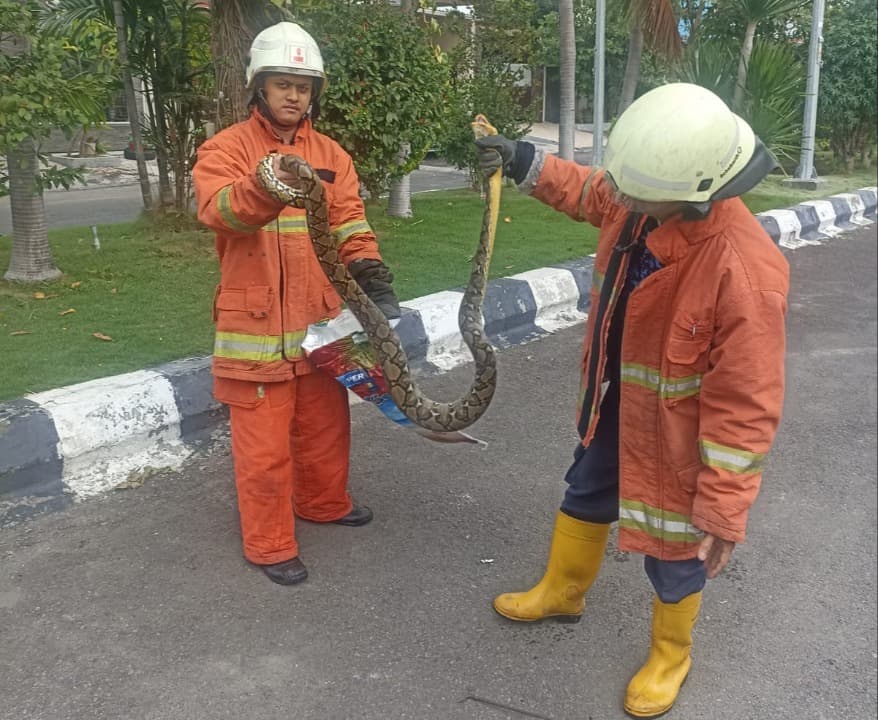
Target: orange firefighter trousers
<point x="291" y="448"/>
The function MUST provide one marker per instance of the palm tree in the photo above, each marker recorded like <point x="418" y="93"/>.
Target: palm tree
<point x="567" y="117"/>
<point x="754" y="12"/>
<point x="131" y="102"/>
<point x="157" y="35"/>
<point x="653" y="19"/>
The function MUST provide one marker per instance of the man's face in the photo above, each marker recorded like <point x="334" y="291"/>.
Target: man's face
<point x="288" y="97"/>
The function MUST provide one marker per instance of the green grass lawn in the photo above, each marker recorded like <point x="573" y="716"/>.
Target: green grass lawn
<point x="149" y="290"/>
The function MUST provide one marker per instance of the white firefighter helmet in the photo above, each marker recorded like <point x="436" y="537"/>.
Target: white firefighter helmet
<point x="286" y="48"/>
<point x="681" y="143"/>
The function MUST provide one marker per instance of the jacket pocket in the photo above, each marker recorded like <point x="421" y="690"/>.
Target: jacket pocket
<point x="689" y="343"/>
<point x="238" y="393"/>
<point x="255" y="300"/>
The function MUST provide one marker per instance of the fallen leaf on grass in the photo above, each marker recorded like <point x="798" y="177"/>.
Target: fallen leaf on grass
<point x="21" y="332"/>
<point x="101" y="336"/>
<point x="113" y="291"/>
<point x="39" y="296"/>
<point x="507" y="219"/>
<point x="76" y="284"/>
<point x="68" y="311"/>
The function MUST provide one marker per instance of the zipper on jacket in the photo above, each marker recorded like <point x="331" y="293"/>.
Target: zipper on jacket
<point x="626" y="241"/>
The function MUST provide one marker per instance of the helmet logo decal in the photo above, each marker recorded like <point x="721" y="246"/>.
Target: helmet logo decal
<point x="735" y="157"/>
<point x="734" y="153"/>
<point x="298" y="55"/>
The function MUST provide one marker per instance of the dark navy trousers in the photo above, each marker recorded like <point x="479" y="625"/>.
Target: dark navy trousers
<point x="593" y="496"/>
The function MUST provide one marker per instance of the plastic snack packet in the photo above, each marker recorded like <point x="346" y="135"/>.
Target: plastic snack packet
<point x="341" y="348"/>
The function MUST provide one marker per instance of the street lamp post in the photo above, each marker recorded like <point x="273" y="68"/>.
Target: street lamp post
<point x="806" y="176"/>
<point x="597" y="142"/>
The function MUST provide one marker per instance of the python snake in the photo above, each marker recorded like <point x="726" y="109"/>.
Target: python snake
<point x="306" y="192"/>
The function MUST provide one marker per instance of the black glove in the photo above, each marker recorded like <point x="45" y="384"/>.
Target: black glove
<point x="496" y="151"/>
<point x="375" y="278"/>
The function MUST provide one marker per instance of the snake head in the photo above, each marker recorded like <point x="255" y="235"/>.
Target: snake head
<point x="481" y="127"/>
<point x="294" y="165"/>
<point x="304" y="184"/>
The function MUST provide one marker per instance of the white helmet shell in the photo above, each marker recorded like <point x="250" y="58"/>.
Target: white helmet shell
<point x="285" y="48"/>
<point x="677" y="143"/>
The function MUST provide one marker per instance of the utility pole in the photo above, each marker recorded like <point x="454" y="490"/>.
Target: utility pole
<point x="597" y="155"/>
<point x="567" y="120"/>
<point x="806" y="176"/>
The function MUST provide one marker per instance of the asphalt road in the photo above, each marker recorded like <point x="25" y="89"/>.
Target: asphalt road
<point x="139" y="605"/>
<point x="104" y="205"/>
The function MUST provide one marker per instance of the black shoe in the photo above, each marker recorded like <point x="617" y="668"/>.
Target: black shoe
<point x="289" y="572"/>
<point x="359" y="515"/>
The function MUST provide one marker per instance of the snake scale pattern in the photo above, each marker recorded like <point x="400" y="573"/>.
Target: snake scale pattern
<point x="306" y="192"/>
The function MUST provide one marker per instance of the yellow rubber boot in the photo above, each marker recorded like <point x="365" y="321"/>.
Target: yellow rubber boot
<point x="574" y="560"/>
<point x="653" y="690"/>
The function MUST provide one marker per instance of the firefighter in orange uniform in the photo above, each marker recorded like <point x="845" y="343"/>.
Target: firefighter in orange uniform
<point x="290" y="423"/>
<point x="683" y="364"/>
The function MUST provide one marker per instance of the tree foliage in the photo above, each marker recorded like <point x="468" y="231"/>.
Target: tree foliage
<point x="772" y="99"/>
<point x="848" y="79"/>
<point x="45" y="83"/>
<point x="169" y="48"/>
<point x="387" y="86"/>
<point x="486" y="77"/>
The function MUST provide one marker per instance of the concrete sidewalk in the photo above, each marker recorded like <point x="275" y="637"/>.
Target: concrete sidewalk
<point x="75" y="442"/>
<point x="547" y="134"/>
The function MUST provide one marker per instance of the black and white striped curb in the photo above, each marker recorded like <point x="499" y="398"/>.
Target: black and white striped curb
<point x="75" y="442"/>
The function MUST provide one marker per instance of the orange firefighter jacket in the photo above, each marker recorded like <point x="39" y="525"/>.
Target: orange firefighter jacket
<point x="271" y="285"/>
<point x="702" y="371"/>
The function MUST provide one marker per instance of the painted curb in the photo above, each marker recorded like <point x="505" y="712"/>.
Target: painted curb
<point x="75" y="442"/>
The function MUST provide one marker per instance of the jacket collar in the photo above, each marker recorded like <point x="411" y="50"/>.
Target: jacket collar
<point x="268" y="131"/>
<point x="673" y="239"/>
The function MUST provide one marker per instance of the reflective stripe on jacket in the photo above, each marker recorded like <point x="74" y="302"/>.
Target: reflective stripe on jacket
<point x="271" y="286"/>
<point x="702" y="373"/>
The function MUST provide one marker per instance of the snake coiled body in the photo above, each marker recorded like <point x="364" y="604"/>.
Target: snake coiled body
<point x="306" y="192"/>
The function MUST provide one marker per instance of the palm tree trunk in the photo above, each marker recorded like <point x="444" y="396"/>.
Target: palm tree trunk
<point x="567" y="118"/>
<point x="746" y="52"/>
<point x="632" y="68"/>
<point x="131" y="102"/>
<point x="31" y="259"/>
<point x="160" y="122"/>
